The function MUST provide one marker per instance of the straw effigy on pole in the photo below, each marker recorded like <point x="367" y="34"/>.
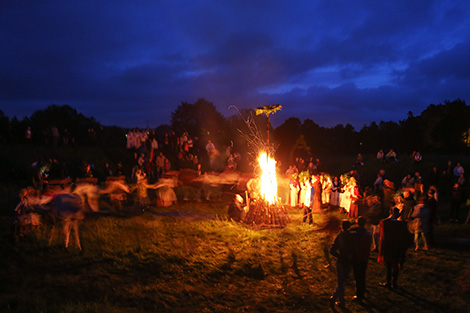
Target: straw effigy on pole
<point x="268" y="110"/>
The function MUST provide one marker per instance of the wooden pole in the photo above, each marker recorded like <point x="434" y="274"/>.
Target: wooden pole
<point x="267" y="136"/>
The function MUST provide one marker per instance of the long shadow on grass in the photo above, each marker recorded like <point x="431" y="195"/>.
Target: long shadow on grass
<point x="383" y="300"/>
<point x="425" y="303"/>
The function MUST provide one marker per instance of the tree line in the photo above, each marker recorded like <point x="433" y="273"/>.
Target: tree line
<point x="442" y="128"/>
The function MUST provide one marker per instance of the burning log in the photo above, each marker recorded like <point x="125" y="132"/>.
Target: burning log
<point x="267" y="210"/>
<point x="265" y="215"/>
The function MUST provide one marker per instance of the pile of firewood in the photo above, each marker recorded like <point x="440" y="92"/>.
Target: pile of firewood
<point x="264" y="215"/>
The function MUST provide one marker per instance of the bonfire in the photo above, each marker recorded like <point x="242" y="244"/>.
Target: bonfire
<point x="267" y="211"/>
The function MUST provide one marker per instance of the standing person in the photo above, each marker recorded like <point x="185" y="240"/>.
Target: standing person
<point x="326" y="189"/>
<point x="55" y="135"/>
<point x="362" y="244"/>
<point x="394" y="241"/>
<point x="210" y="147"/>
<point x="331" y="225"/>
<point x="130" y="140"/>
<point x="408" y="205"/>
<point x="143" y="200"/>
<point x="290" y="171"/>
<point x="190" y="145"/>
<point x="433" y="217"/>
<point x="317" y="192"/>
<point x="342" y="249"/>
<point x="160" y="164"/>
<point x="153" y="141"/>
<point x="455" y="203"/>
<point x="294" y="191"/>
<point x="136" y="138"/>
<point x="335" y="191"/>
<point x="142" y="161"/>
<point x="307" y="205"/>
<point x="354" y="208"/>
<point x="389" y="192"/>
<point x="420" y="215"/>
<point x="143" y="140"/>
<point x="303" y="190"/>
<point x="379" y="184"/>
<point x="458" y="170"/>
<point x="434" y="177"/>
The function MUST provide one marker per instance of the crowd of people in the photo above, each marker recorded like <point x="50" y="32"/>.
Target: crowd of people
<point x="310" y="187"/>
<point x="156" y="156"/>
<point x="150" y="162"/>
<point x="63" y="137"/>
<point x="352" y="248"/>
<point x="391" y="217"/>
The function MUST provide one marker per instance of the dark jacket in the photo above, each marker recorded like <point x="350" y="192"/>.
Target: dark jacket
<point x="394" y="240"/>
<point x="343" y="248"/>
<point x="362" y="239"/>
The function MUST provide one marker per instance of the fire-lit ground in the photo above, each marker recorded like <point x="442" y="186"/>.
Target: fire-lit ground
<point x="187" y="257"/>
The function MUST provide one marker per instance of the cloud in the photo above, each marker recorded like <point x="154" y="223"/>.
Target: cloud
<point x="133" y="63"/>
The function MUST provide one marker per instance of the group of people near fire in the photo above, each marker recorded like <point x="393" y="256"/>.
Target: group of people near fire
<point x="389" y="217"/>
<point x="158" y="154"/>
<point x="385" y="217"/>
<point x="311" y="190"/>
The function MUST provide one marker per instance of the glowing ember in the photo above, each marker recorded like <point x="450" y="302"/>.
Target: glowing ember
<point x="268" y="178"/>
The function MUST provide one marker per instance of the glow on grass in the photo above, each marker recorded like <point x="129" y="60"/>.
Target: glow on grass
<point x="268" y="178"/>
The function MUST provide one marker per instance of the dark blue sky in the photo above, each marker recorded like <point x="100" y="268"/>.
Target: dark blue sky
<point x="129" y="63"/>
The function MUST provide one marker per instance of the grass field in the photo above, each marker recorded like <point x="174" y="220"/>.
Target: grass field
<point x="188" y="258"/>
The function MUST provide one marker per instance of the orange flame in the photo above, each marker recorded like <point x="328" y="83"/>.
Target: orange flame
<point x="268" y="178"/>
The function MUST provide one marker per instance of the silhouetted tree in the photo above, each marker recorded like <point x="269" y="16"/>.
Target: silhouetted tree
<point x="445" y="125"/>
<point x="285" y="137"/>
<point x="315" y="137"/>
<point x="343" y="139"/>
<point x="4" y="127"/>
<point x="411" y="134"/>
<point x="63" y="117"/>
<point x="371" y="139"/>
<point x="200" y="119"/>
